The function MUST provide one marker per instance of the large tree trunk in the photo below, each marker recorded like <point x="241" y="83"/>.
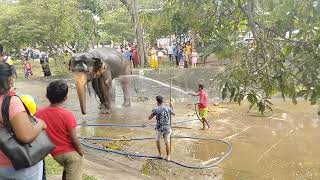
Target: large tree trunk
<point x="131" y="6"/>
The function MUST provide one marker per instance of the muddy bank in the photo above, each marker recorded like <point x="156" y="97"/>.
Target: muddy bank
<point x="280" y="145"/>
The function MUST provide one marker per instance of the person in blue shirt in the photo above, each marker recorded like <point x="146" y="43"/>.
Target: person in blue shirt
<point x="163" y="127"/>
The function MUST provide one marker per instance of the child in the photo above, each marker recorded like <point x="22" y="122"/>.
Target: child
<point x="163" y="128"/>
<point x="194" y="58"/>
<point x="203" y="106"/>
<point x="28" y="69"/>
<point x="61" y="129"/>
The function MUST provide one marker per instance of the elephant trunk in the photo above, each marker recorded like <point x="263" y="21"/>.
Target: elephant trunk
<point x="81" y="82"/>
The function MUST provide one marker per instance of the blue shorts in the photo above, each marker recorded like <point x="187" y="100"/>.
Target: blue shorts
<point x="32" y="173"/>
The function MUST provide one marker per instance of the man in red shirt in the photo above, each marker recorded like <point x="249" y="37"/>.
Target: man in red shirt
<point x="203" y="106"/>
<point x="62" y="131"/>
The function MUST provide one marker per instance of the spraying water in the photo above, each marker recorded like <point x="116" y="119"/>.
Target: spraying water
<point x="146" y="88"/>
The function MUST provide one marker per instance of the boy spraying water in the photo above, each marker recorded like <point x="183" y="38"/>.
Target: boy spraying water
<point x="163" y="127"/>
<point x="202" y="105"/>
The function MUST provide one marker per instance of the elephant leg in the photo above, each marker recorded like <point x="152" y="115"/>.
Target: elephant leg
<point x="113" y="91"/>
<point x="105" y="91"/>
<point x="125" y="89"/>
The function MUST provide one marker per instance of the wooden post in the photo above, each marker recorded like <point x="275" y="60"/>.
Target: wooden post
<point x="170" y="103"/>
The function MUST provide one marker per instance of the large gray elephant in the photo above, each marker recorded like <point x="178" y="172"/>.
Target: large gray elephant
<point x="100" y="66"/>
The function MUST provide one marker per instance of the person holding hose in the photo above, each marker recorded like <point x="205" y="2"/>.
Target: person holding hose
<point x="202" y="105"/>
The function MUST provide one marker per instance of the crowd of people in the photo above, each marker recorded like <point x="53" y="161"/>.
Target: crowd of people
<point x="131" y="53"/>
<point x="183" y="56"/>
<point x="59" y="123"/>
<point x="26" y="63"/>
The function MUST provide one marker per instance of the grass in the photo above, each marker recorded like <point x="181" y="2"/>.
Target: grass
<point x="58" y="66"/>
<point x="53" y="168"/>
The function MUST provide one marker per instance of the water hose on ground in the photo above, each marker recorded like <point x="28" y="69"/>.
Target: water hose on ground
<point x="133" y="125"/>
<point x="202" y="166"/>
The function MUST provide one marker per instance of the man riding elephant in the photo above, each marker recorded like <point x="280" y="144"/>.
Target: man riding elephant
<point x="100" y="66"/>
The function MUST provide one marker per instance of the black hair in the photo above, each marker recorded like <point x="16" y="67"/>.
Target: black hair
<point x="6" y="71"/>
<point x="201" y="86"/>
<point x="159" y="99"/>
<point x="57" y="91"/>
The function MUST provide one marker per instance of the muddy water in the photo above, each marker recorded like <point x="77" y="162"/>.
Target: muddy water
<point x="282" y="145"/>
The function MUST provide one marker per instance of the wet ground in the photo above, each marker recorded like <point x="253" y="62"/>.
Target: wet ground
<point x="281" y="145"/>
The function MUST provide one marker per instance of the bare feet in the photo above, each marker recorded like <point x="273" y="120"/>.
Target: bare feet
<point x="168" y="158"/>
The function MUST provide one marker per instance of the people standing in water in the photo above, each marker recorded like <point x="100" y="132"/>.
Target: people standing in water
<point x="203" y="106"/>
<point x="163" y="127"/>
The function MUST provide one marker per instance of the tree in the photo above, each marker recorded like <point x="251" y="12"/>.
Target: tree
<point x="285" y="60"/>
<point x="131" y="6"/>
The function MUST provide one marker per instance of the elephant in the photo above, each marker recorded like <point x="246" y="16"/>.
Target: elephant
<point x="100" y="66"/>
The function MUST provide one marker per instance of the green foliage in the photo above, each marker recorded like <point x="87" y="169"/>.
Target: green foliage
<point x="116" y="26"/>
<point x="285" y="61"/>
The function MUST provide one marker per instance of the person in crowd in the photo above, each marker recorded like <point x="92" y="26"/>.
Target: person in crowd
<point x="62" y="131"/>
<point x="171" y="49"/>
<point x="184" y="58"/>
<point x="153" y="59"/>
<point x="188" y="51"/>
<point x="181" y="58"/>
<point x="203" y="106"/>
<point x="44" y="61"/>
<point x="30" y="103"/>
<point x="194" y="57"/>
<point x="128" y="54"/>
<point x="28" y="69"/>
<point x="176" y="54"/>
<point x="160" y="56"/>
<point x="8" y="59"/>
<point x="23" y="129"/>
<point x="163" y="127"/>
<point x="119" y="50"/>
<point x="135" y="57"/>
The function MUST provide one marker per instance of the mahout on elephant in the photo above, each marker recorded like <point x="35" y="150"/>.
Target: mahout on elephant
<point x="100" y="66"/>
